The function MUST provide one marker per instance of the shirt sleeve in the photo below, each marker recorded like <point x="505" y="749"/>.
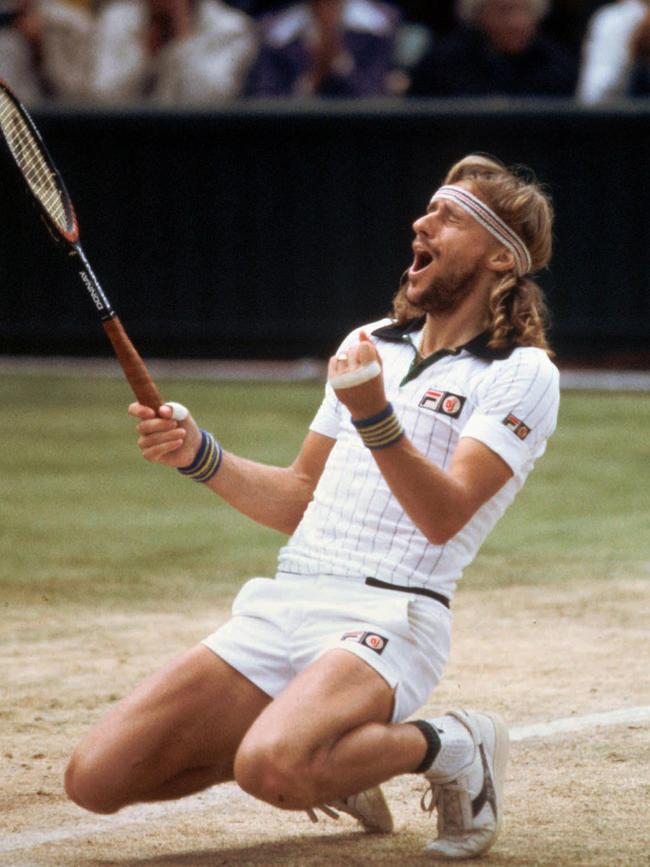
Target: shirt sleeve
<point x="327" y="420"/>
<point x="517" y="408"/>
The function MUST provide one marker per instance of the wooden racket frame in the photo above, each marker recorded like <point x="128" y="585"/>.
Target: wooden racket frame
<point x="134" y="368"/>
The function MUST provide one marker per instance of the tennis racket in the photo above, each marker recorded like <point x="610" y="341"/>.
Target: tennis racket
<point x="45" y="184"/>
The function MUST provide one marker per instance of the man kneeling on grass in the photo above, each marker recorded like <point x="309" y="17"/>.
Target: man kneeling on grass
<point x="431" y="421"/>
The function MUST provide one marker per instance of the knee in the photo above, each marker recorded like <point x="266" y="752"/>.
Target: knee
<point x="272" y="772"/>
<point x="86" y="785"/>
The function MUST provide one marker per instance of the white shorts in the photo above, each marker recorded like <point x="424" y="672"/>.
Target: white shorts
<point x="280" y="626"/>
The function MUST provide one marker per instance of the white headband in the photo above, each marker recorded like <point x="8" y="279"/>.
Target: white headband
<point x="490" y="221"/>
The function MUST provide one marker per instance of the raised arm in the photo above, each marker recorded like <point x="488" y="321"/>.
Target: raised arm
<point x="273" y="496"/>
<point x="439" y="502"/>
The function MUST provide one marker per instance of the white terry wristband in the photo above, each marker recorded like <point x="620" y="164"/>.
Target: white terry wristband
<point x="356" y="377"/>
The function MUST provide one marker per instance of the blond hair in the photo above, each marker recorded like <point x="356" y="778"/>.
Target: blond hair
<point x="518" y="313"/>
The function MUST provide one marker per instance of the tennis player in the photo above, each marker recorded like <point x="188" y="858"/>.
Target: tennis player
<point x="431" y="421"/>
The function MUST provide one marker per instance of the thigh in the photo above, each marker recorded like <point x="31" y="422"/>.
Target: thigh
<point x="191" y="714"/>
<point x="334" y="695"/>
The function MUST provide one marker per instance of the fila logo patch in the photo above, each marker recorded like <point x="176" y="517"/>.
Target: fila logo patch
<point x="444" y="402"/>
<point x="369" y="639"/>
<point x="517" y="426"/>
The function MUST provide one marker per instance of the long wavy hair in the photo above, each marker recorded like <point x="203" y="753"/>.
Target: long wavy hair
<point x="518" y="314"/>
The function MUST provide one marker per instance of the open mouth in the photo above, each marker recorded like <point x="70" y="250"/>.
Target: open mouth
<point x="421" y="261"/>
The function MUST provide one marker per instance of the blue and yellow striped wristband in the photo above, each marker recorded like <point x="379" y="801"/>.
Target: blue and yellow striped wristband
<point x="207" y="461"/>
<point x="381" y="430"/>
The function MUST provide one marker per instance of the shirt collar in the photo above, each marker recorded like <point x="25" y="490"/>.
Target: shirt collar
<point x="477" y="346"/>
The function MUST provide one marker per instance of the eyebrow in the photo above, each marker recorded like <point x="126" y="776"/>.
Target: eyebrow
<point x="443" y="205"/>
<point x="492" y="222"/>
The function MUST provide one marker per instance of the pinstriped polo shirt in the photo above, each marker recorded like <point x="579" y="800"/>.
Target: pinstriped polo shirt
<point x="354" y="525"/>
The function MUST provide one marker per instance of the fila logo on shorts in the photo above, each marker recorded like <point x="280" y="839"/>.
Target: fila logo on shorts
<point x="444" y="402"/>
<point x="369" y="639"/>
<point x="517" y="426"/>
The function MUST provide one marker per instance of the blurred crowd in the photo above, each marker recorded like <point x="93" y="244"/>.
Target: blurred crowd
<point x="189" y="53"/>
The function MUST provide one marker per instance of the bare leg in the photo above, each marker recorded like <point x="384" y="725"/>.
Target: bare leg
<point x="326" y="737"/>
<point x="175" y="734"/>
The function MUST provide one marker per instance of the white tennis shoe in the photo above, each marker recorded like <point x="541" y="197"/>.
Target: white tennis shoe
<point x="369" y="808"/>
<point x="470" y="805"/>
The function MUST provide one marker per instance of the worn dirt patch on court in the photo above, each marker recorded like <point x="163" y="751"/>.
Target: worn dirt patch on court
<point x="533" y="654"/>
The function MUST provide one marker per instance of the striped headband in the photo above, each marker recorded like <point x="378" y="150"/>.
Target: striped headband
<point x="490" y="221"/>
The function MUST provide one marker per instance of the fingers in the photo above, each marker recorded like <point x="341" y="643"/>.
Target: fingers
<point x="178" y="411"/>
<point x="367" y="353"/>
<point x="161" y="435"/>
<point x="139" y="410"/>
<point x="171" y="409"/>
<point x="351" y="358"/>
<point x="356" y="376"/>
<point x="156" y="447"/>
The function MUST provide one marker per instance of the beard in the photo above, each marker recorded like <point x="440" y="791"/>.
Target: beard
<point x="444" y="293"/>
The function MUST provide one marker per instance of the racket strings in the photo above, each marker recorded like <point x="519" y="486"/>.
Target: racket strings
<point x="32" y="163"/>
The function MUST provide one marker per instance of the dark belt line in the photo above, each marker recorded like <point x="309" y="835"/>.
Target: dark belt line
<point x="419" y="591"/>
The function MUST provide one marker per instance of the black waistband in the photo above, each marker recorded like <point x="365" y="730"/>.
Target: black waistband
<point x="419" y="591"/>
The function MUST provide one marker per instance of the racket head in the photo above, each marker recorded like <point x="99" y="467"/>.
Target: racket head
<point x="30" y="155"/>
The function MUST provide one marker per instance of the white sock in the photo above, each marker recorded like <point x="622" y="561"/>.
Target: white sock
<point x="456" y="748"/>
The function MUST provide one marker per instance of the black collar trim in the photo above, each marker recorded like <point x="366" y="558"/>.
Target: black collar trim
<point x="478" y="345"/>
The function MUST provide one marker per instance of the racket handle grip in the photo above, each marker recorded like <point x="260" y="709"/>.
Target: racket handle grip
<point x="132" y="364"/>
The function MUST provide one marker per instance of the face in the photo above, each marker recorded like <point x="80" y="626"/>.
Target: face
<point x="450" y="253"/>
<point x="510" y="25"/>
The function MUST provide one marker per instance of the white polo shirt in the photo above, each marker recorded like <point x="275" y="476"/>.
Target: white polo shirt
<point x="354" y="525"/>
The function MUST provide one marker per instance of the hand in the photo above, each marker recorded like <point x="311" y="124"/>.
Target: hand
<point x="163" y="440"/>
<point x="368" y="398"/>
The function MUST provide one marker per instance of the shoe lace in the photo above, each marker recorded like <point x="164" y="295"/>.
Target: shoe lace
<point x="324" y="808"/>
<point x="435" y="798"/>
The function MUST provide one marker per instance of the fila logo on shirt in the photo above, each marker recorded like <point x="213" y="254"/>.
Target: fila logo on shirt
<point x="519" y="428"/>
<point x="444" y="402"/>
<point x="369" y="639"/>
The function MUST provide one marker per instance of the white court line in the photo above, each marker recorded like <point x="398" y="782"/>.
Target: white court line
<point x="624" y="716"/>
<point x="230" y="793"/>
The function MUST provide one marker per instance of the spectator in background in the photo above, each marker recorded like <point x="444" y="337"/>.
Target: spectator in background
<point x="173" y="52"/>
<point x="497" y="50"/>
<point x="68" y="48"/>
<point x="20" y="45"/>
<point x="615" y="51"/>
<point x="326" y="48"/>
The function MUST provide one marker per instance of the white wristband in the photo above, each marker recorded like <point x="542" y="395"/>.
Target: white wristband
<point x="356" y="377"/>
<point x="179" y="412"/>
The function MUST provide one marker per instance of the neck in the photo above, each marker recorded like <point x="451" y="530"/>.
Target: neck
<point x="447" y="331"/>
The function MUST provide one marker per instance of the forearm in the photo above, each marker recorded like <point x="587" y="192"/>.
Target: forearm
<point x="438" y="504"/>
<point x="441" y="501"/>
<point x="438" y="501"/>
<point x="273" y="496"/>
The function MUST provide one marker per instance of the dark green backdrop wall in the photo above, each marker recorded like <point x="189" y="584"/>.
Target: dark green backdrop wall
<point x="268" y="230"/>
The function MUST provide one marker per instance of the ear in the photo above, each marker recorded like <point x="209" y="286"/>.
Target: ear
<point x="501" y="260"/>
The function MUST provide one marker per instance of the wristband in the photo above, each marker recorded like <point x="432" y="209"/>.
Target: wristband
<point x="207" y="461"/>
<point x="381" y="430"/>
